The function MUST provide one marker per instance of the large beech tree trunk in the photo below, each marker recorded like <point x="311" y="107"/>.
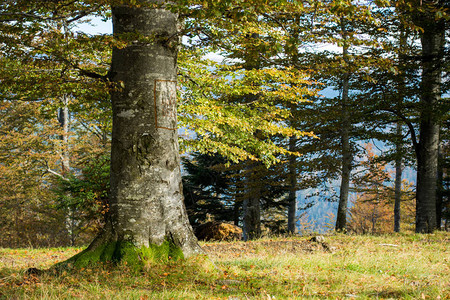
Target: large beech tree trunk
<point x="148" y="220"/>
<point x="432" y="40"/>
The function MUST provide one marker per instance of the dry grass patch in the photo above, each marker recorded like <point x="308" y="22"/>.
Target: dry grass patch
<point x="346" y="267"/>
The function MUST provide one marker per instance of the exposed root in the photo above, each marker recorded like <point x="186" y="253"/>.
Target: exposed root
<point x="107" y="248"/>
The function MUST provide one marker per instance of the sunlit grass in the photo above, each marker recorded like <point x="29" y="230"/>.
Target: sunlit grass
<point x="363" y="267"/>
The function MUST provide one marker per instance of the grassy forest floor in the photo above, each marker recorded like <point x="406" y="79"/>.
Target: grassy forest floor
<point x="406" y="266"/>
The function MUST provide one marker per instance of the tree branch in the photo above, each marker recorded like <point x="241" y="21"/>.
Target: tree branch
<point x="410" y="127"/>
<point x="57" y="174"/>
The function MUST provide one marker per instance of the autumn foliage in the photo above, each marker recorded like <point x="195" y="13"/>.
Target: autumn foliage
<point x="372" y="209"/>
<point x="269" y="87"/>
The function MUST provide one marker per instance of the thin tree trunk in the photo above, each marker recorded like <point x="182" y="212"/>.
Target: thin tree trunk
<point x="432" y="41"/>
<point x="401" y="87"/>
<point x="238" y="202"/>
<point x="293" y="47"/>
<point x="148" y="220"/>
<point x="236" y="212"/>
<point x="347" y="156"/>
<point x="440" y="189"/>
<point x="251" y="205"/>
<point x="64" y="123"/>
<point x="398" y="180"/>
<point x="292" y="197"/>
<point x="246" y="225"/>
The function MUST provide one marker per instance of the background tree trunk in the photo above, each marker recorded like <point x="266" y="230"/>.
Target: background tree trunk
<point x="64" y="123"/>
<point x="440" y="188"/>
<point x="398" y="179"/>
<point x="401" y="94"/>
<point x="251" y="205"/>
<point x="347" y="156"/>
<point x="432" y="41"/>
<point x="293" y="47"/>
<point x="292" y="197"/>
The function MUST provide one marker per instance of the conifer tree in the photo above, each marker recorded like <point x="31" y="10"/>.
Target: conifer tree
<point x="208" y="188"/>
<point x="432" y="41"/>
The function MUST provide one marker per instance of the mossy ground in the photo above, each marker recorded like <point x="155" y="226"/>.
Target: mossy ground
<point x="136" y="258"/>
<point x="362" y="267"/>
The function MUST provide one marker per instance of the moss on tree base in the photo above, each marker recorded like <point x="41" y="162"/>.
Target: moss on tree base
<point x="124" y="252"/>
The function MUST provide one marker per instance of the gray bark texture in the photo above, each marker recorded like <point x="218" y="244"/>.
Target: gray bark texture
<point x="64" y="123"/>
<point x="146" y="195"/>
<point x="147" y="214"/>
<point x="432" y="41"/>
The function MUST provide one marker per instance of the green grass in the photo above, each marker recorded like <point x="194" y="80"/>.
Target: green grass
<point x="358" y="267"/>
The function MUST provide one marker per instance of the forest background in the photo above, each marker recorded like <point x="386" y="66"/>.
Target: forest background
<point x="291" y="117"/>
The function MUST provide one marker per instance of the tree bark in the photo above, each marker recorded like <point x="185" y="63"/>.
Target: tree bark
<point x="347" y="156"/>
<point x="251" y="206"/>
<point x="398" y="179"/>
<point x="401" y="92"/>
<point x="236" y="212"/>
<point x="64" y="123"/>
<point x="440" y="188"/>
<point x="148" y="220"/>
<point x="432" y="41"/>
<point x="293" y="48"/>
<point x="292" y="196"/>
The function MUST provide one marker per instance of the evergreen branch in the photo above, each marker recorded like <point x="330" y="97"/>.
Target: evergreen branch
<point x="410" y="127"/>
